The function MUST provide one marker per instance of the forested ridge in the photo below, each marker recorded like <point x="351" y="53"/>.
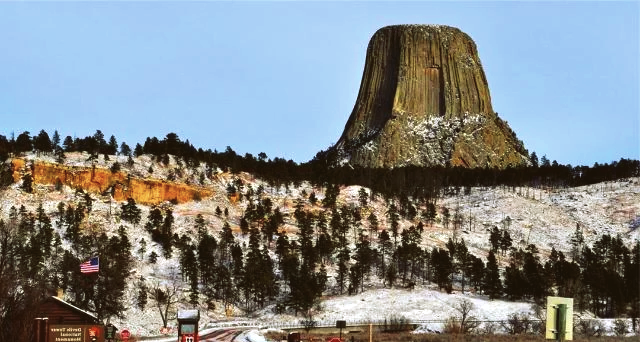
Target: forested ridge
<point x="264" y="265"/>
<point x="324" y="169"/>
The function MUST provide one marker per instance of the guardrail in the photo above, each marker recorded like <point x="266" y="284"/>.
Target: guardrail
<point x="390" y="323"/>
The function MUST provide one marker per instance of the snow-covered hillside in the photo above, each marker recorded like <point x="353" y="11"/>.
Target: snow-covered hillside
<point x="544" y="217"/>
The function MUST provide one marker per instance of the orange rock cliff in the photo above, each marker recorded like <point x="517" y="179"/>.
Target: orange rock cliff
<point x="98" y="180"/>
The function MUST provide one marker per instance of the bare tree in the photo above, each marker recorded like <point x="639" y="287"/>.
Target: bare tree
<point x="468" y="322"/>
<point x="165" y="296"/>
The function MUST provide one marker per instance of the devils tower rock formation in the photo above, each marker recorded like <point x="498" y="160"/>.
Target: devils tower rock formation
<point x="424" y="100"/>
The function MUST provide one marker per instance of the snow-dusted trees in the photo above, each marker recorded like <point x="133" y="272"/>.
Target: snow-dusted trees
<point x="130" y="212"/>
<point x="491" y="284"/>
<point x="160" y="228"/>
<point x="111" y="281"/>
<point x="257" y="283"/>
<point x="408" y="254"/>
<point x="443" y="269"/>
<point x="42" y="142"/>
<point x="364" y="257"/>
<point x="525" y="277"/>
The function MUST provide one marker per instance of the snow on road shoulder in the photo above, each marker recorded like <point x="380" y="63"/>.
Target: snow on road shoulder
<point x="250" y="336"/>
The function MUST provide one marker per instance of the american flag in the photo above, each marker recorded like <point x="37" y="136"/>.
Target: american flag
<point x="90" y="266"/>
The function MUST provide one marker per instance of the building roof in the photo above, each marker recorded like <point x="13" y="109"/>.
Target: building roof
<point x="74" y="308"/>
<point x="188" y="314"/>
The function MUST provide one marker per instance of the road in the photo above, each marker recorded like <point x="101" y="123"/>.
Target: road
<point x="224" y="335"/>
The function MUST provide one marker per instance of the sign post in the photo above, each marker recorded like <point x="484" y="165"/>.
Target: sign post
<point x="559" y="319"/>
<point x="341" y="325"/>
<point x="110" y="332"/>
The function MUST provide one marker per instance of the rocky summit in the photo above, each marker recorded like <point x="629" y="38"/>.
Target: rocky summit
<point x="424" y="101"/>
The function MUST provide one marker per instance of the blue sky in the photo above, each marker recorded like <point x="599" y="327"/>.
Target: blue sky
<point x="282" y="77"/>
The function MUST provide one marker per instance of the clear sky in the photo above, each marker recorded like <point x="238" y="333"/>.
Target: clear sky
<point x="282" y="77"/>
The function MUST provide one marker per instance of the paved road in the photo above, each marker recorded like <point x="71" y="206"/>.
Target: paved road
<point x="225" y="335"/>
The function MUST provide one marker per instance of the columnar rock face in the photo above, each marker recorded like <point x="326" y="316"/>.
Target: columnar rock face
<point x="424" y="100"/>
<point x="98" y="180"/>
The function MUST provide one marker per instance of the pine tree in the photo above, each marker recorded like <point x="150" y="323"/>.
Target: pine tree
<point x="462" y="262"/>
<point x="394" y="219"/>
<point x="534" y="159"/>
<point x="55" y="140"/>
<point x="363" y="197"/>
<point x="42" y="143"/>
<point x="68" y="144"/>
<point x="331" y="195"/>
<point x="324" y="245"/>
<point x="442" y="269"/>
<point x="142" y="297"/>
<point x="130" y="212"/>
<point x="631" y="279"/>
<point x="115" y="261"/>
<point x="27" y="183"/>
<point x="138" y="151"/>
<point x="23" y="143"/>
<point x="577" y="241"/>
<point x="343" y="268"/>
<point x="153" y="257"/>
<point x="505" y="241"/>
<point x="125" y="150"/>
<point x="445" y="217"/>
<point x="226" y="242"/>
<point x="363" y="256"/>
<point x="536" y="282"/>
<point x="373" y="224"/>
<point x="244" y="225"/>
<point x="386" y="248"/>
<point x="312" y="198"/>
<point x="494" y="239"/>
<point x="492" y="285"/>
<point x="430" y="213"/>
<point x="476" y="272"/>
<point x="112" y="146"/>
<point x="514" y="282"/>
<point x="251" y="274"/>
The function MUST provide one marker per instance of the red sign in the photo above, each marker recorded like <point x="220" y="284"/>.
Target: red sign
<point x="125" y="334"/>
<point x="335" y="339"/>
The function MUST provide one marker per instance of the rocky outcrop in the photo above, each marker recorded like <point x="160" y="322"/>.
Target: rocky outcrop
<point x="424" y="100"/>
<point x="99" y="180"/>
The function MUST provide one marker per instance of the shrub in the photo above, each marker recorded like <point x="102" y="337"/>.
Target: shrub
<point x="396" y="323"/>
<point x="115" y="167"/>
<point x="589" y="328"/>
<point x="308" y="324"/>
<point x="517" y="324"/>
<point x="489" y="328"/>
<point x="620" y="327"/>
<point x="452" y="326"/>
